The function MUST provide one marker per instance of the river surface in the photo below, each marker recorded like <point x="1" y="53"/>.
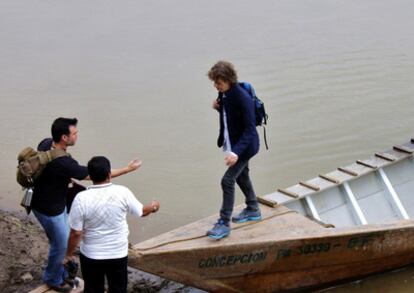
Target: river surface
<point x="336" y="76"/>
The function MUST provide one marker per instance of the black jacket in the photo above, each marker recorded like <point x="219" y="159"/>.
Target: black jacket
<point x="241" y="122"/>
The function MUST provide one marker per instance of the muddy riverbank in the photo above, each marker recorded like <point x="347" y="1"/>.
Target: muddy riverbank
<point x="23" y="253"/>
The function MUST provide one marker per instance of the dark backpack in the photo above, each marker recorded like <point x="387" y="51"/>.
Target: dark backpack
<point x="261" y="115"/>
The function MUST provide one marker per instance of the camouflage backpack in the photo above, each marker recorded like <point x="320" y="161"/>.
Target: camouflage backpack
<point x="31" y="164"/>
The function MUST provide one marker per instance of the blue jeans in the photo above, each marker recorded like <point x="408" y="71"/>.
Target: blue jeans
<point x="57" y="231"/>
<point x="239" y="173"/>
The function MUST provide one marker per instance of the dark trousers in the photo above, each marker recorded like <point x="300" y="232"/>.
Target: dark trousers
<point x="94" y="272"/>
<point x="239" y="173"/>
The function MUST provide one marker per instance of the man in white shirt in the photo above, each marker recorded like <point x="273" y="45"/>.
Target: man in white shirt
<point x="98" y="221"/>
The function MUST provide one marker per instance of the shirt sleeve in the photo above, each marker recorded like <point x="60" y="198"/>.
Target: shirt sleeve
<point x="70" y="168"/>
<point x="134" y="206"/>
<point x="76" y="216"/>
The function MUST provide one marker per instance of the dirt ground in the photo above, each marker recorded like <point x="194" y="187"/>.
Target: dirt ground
<point x="23" y="253"/>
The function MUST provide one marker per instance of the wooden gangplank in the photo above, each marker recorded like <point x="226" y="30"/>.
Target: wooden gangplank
<point x="46" y="289"/>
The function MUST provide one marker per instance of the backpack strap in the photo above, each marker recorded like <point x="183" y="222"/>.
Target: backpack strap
<point x="248" y="87"/>
<point x="50" y="155"/>
<point x="264" y="136"/>
<point x="56" y="153"/>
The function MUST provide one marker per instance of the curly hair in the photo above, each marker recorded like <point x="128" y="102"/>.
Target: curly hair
<point x="223" y="70"/>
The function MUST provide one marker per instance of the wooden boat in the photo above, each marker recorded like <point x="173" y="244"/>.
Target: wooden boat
<point x="347" y="224"/>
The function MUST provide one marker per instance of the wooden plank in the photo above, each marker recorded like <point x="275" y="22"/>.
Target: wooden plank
<point x="398" y="155"/>
<point x="403" y="149"/>
<point x="46" y="289"/>
<point x="267" y="202"/>
<point x="287" y="192"/>
<point x="347" y="171"/>
<point x="320" y="182"/>
<point x="41" y="289"/>
<point x="340" y="176"/>
<point x="300" y="190"/>
<point x="329" y="178"/>
<point x="379" y="162"/>
<point x="278" y="197"/>
<point x="385" y="156"/>
<point x="309" y="185"/>
<point x="366" y="164"/>
<point x="359" y="169"/>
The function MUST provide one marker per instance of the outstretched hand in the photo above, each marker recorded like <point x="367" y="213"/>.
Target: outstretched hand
<point x="155" y="205"/>
<point x="134" y="165"/>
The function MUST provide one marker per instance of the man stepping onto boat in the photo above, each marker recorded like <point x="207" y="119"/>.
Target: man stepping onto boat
<point x="240" y="142"/>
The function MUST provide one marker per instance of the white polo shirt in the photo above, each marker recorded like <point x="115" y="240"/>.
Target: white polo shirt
<point x="100" y="212"/>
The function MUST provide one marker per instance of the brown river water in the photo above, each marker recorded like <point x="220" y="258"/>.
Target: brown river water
<point x="337" y="79"/>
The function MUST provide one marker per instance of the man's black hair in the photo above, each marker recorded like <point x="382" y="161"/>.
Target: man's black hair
<point x="99" y="169"/>
<point x="61" y="127"/>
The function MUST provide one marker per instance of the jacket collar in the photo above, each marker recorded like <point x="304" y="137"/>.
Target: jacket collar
<point x="231" y="90"/>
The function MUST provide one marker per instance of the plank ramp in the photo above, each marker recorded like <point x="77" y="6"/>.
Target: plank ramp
<point x="277" y="223"/>
<point x="46" y="289"/>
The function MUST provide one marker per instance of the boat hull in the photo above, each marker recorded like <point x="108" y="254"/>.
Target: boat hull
<point x="285" y="265"/>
